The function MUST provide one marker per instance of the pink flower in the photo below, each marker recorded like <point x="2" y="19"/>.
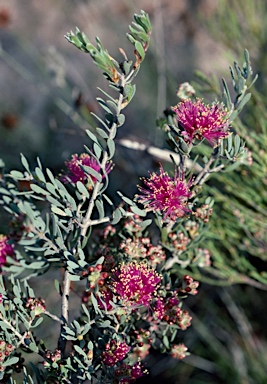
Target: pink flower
<point x="131" y="372"/>
<point x="137" y="370"/>
<point x="201" y="121"/>
<point x="169" y="310"/>
<point x="75" y="172"/>
<point x="115" y="352"/>
<point x="5" y="249"/>
<point x="135" y="283"/>
<point x="141" y="248"/>
<point x="158" y="308"/>
<point x="165" y="195"/>
<point x="179" y="351"/>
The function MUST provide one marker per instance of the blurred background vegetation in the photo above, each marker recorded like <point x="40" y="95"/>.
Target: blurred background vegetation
<point x="48" y="90"/>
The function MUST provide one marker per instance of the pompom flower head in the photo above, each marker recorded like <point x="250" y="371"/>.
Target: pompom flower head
<point x="135" y="283"/>
<point x="200" y="121"/>
<point x="5" y="249"/>
<point x="115" y="352"/>
<point x="76" y="173"/>
<point x="165" y="195"/>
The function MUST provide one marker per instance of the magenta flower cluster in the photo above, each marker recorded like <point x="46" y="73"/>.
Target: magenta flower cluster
<point x="5" y="249"/>
<point x="165" y="195"/>
<point x="115" y="352"/>
<point x="76" y="173"/>
<point x="200" y="121"/>
<point x="135" y="284"/>
<point x="130" y="373"/>
<point x="169" y="310"/>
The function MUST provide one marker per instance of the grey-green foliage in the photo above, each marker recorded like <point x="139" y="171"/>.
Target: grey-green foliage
<point x="238" y="228"/>
<point x="58" y="220"/>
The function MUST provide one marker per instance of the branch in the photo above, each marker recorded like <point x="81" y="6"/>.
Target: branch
<point x="64" y="311"/>
<point x="19" y="336"/>
<point x="86" y="221"/>
<point x="54" y="317"/>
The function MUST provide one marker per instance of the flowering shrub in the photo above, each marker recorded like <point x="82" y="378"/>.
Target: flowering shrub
<point x="6" y="249"/>
<point x="200" y="121"/>
<point x="132" y="288"/>
<point x="77" y="170"/>
<point x="165" y="195"/>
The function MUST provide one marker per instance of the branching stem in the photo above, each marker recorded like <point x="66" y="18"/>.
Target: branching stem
<point x="86" y="221"/>
<point x="64" y="310"/>
<point x="204" y="173"/>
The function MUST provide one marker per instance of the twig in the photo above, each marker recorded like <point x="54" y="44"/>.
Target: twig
<point x="64" y="310"/>
<point x="42" y="236"/>
<point x="19" y="336"/>
<point x="54" y="317"/>
<point x="160" y="61"/>
<point x="86" y="221"/>
<point x="204" y="173"/>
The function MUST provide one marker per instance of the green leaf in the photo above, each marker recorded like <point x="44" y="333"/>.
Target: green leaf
<point x="129" y="91"/>
<point x="126" y="199"/>
<point x="131" y="38"/>
<point x="233" y="116"/>
<point x="74" y="278"/>
<point x="58" y="287"/>
<point x="54" y="201"/>
<point x="107" y="199"/>
<point x="100" y="120"/>
<point x="97" y="150"/>
<point x="243" y="102"/>
<point x="138" y="211"/>
<point x="100" y="208"/>
<point x="121" y="120"/>
<point x="232" y="167"/>
<point x="39" y="190"/>
<point x="226" y="95"/>
<point x="102" y="133"/>
<point x="86" y="311"/>
<point x="36" y="265"/>
<point x="104" y="105"/>
<point x="25" y="163"/>
<point x="237" y="142"/>
<point x="127" y="65"/>
<point x="58" y="211"/>
<point x="37" y="322"/>
<point x="40" y="174"/>
<point x="4" y="325"/>
<point x="140" y="49"/>
<point x="82" y="189"/>
<point x="95" y="303"/>
<point x="50" y="175"/>
<point x="113" y="105"/>
<point x="111" y="147"/>
<point x="10" y="361"/>
<point x="50" y="187"/>
<point x="106" y="94"/>
<point x="166" y="342"/>
<point x="145" y="223"/>
<point x="92" y="136"/>
<point x="229" y="143"/>
<point x="68" y="337"/>
<point x="17" y="175"/>
<point x="116" y="216"/>
<point x="80" y="351"/>
<point x="92" y="172"/>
